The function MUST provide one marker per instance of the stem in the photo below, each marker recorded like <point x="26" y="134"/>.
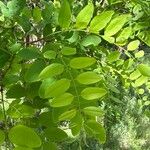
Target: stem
<point x="74" y="84"/>
<point x="54" y="33"/>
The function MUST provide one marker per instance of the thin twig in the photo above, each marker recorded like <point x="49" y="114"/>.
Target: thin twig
<point x="54" y="33"/>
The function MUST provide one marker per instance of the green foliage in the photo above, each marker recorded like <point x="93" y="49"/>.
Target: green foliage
<point x="64" y="68"/>
<point x="27" y="136"/>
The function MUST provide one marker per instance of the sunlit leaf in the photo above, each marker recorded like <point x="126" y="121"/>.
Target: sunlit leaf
<point x="144" y="70"/>
<point x="57" y="88"/>
<point x="100" y="21"/>
<point x="63" y="100"/>
<point x="88" y="78"/>
<point x="133" y="45"/>
<point x="68" y="115"/>
<point x="93" y="111"/>
<point x="51" y="71"/>
<point x="84" y="16"/>
<point x="92" y="93"/>
<point x="82" y="62"/>
<point x="24" y="136"/>
<point x="116" y="25"/>
<point x="68" y="51"/>
<point x="91" y="40"/>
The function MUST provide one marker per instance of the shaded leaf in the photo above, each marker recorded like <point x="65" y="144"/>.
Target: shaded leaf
<point x="97" y="130"/>
<point x="64" y="18"/>
<point x="15" y="91"/>
<point x="33" y="72"/>
<point x="2" y="137"/>
<point x="55" y="134"/>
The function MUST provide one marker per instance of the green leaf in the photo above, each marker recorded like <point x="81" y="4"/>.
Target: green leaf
<point x="74" y="37"/>
<point x="133" y="45"/>
<point x="84" y="16"/>
<point x="24" y="136"/>
<point x="93" y="111"/>
<point x="57" y="88"/>
<point x="15" y="47"/>
<point x="29" y="53"/>
<point x="68" y="115"/>
<point x="92" y="93"/>
<point x="4" y="57"/>
<point x="2" y="137"/>
<point x="144" y="69"/>
<point x="113" y="88"/>
<point x="109" y="39"/>
<point x="15" y="91"/>
<point x="116" y="99"/>
<point x="55" y="134"/>
<point x="15" y="7"/>
<point x="135" y="74"/>
<point x="33" y="72"/>
<point x="97" y="130"/>
<point x="25" y="111"/>
<point x="139" y="54"/>
<point x="22" y="148"/>
<point x="145" y="37"/>
<point x="64" y="18"/>
<point x="4" y="9"/>
<point x="49" y="145"/>
<point x="37" y="14"/>
<point x="123" y="36"/>
<point x="48" y="11"/>
<point x="116" y="24"/>
<point x="47" y="82"/>
<point x="76" y="124"/>
<point x="51" y="71"/>
<point x="113" y="56"/>
<point x="88" y="78"/>
<point x="68" y="51"/>
<point x="63" y="100"/>
<point x="91" y="40"/>
<point x="82" y="62"/>
<point x="50" y="54"/>
<point x="24" y="22"/>
<point x="140" y="81"/>
<point x="99" y="22"/>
